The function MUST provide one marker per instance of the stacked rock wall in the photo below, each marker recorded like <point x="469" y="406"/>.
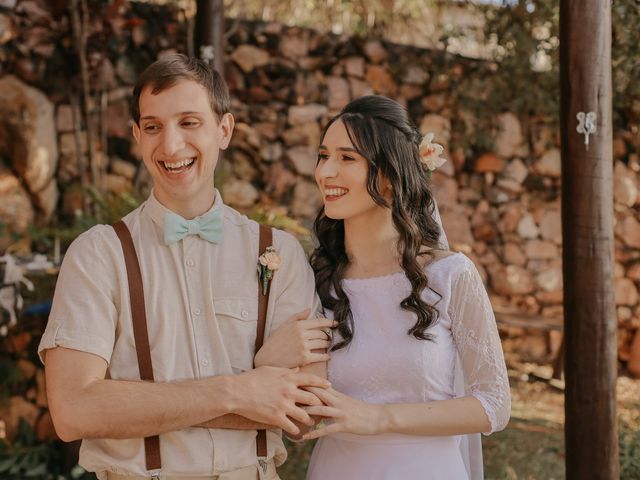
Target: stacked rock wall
<point x="500" y="205"/>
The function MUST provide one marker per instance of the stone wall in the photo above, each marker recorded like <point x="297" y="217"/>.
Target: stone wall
<point x="500" y="205"/>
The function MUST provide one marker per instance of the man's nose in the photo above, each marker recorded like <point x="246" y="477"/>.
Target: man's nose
<point x="172" y="141"/>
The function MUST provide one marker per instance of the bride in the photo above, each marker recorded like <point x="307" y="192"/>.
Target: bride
<point x="416" y="364"/>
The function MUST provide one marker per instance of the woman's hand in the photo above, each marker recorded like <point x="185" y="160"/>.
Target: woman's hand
<point x="345" y="414"/>
<point x="297" y="342"/>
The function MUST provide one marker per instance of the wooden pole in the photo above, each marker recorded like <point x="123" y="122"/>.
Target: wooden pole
<point x="209" y="35"/>
<point x="80" y="25"/>
<point x="587" y="228"/>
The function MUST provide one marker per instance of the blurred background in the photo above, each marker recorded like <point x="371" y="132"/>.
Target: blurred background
<point x="482" y="76"/>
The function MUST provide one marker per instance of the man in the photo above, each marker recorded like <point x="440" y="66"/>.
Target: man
<point x="201" y="307"/>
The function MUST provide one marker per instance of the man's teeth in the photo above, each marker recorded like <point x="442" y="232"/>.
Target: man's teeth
<point x="176" y="165"/>
<point x="335" y="192"/>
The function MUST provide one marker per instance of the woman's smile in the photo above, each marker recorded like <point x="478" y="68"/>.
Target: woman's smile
<point x="332" y="193"/>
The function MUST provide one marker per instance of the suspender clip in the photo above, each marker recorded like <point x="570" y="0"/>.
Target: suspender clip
<point x="263" y="464"/>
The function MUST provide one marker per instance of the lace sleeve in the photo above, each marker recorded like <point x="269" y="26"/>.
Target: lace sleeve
<point x="476" y="337"/>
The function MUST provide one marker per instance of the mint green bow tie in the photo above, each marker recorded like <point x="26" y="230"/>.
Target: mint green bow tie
<point x="208" y="227"/>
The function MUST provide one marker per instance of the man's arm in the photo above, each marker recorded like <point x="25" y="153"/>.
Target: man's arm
<point x="235" y="422"/>
<point x="84" y="404"/>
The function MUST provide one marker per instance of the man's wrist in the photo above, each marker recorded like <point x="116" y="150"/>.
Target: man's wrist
<point x="227" y="390"/>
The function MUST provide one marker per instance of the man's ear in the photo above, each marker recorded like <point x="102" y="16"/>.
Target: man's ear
<point x="225" y="130"/>
<point x="135" y="130"/>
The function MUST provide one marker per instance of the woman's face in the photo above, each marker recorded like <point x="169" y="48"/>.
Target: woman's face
<point x="341" y="175"/>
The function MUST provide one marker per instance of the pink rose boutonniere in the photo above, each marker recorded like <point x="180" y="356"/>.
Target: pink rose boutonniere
<point x="268" y="263"/>
<point x="430" y="153"/>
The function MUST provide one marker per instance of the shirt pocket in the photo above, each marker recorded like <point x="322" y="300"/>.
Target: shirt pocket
<point x="238" y="320"/>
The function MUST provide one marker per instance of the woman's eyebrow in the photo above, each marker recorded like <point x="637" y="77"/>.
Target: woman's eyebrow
<point x="340" y="149"/>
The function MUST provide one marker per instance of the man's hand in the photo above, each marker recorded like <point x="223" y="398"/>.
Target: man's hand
<point x="297" y="342"/>
<point x="275" y="396"/>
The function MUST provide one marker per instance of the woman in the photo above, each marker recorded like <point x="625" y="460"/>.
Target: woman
<point x="416" y="361"/>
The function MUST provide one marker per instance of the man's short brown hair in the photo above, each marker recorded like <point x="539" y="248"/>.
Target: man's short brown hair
<point x="169" y="70"/>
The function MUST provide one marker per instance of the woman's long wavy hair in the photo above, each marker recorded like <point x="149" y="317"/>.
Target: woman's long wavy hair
<point x="380" y="130"/>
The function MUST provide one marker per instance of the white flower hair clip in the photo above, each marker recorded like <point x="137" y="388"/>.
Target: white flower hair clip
<point x="430" y="153"/>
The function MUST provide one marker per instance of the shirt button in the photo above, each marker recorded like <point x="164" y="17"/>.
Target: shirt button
<point x="204" y="363"/>
<point x="190" y="262"/>
<point x="196" y="311"/>
<point x="244" y="314"/>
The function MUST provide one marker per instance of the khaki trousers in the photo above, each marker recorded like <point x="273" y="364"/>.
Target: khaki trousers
<point x="252" y="472"/>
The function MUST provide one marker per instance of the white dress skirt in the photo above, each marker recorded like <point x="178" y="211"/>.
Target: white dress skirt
<point x="383" y="364"/>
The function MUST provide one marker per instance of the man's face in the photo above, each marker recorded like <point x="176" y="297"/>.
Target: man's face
<point x="180" y="140"/>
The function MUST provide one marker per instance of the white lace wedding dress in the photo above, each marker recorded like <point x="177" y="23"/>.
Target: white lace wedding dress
<point x="383" y="364"/>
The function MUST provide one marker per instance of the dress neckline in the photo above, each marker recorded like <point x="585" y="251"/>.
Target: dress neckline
<point x="390" y="276"/>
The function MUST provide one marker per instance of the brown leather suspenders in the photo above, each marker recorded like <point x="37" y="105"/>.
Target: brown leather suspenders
<point x="141" y="333"/>
<point x="266" y="240"/>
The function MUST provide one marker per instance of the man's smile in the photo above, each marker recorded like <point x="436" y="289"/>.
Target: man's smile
<point x="178" y="166"/>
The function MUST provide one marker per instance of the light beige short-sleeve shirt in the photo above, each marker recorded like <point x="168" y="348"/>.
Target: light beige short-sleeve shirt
<point x="202" y="309"/>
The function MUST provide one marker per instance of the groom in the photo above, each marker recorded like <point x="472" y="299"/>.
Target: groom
<point x="198" y="262"/>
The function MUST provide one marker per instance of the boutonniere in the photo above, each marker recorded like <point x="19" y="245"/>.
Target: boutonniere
<point x="268" y="263"/>
<point x="430" y="153"/>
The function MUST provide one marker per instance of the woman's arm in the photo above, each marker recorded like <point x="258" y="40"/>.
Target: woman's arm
<point x="440" y="418"/>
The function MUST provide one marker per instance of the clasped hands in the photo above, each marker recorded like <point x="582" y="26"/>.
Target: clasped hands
<point x="299" y="342"/>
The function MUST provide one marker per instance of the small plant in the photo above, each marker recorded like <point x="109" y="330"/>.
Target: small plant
<point x="629" y="453"/>
<point x="27" y="458"/>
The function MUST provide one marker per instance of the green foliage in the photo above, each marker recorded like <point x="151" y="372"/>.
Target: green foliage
<point x="625" y="59"/>
<point x="527" y="39"/>
<point x="278" y="219"/>
<point x="524" y="39"/>
<point x="299" y="454"/>
<point x="629" y="453"/>
<point x="11" y="379"/>
<point x="106" y="208"/>
<point x="359" y="17"/>
<point x="111" y="207"/>
<point x="26" y="458"/>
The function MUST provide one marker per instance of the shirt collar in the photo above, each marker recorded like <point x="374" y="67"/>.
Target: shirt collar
<point x="157" y="210"/>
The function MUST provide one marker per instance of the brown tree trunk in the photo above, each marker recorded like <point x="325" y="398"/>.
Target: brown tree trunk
<point x="209" y="35"/>
<point x="587" y="227"/>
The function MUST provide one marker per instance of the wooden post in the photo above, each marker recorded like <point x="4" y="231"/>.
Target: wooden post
<point x="587" y="228"/>
<point x="209" y="35"/>
<point x="80" y="22"/>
